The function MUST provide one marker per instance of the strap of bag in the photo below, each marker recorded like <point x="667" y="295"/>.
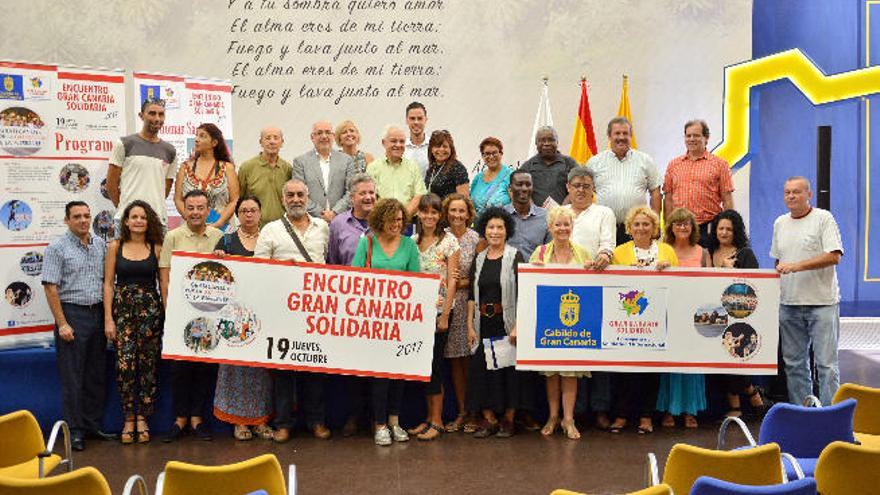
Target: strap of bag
<point x="369" y="262"/>
<point x="299" y="244"/>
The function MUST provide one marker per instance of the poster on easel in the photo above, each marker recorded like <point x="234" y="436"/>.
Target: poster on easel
<point x="57" y="128"/>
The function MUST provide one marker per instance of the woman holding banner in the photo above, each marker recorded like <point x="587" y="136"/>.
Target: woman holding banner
<point x="211" y="170"/>
<point x="683" y="393"/>
<point x="243" y="394"/>
<point x="561" y="251"/>
<point x="438" y="254"/>
<point x="637" y="392"/>
<point x="387" y="249"/>
<point x="729" y="248"/>
<point x="492" y="320"/>
<point x="133" y="315"/>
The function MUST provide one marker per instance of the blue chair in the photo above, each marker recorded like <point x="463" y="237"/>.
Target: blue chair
<point x="801" y="432"/>
<point x="706" y="485"/>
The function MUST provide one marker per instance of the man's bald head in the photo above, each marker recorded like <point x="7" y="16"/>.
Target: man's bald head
<point x="271" y="140"/>
<point x="322" y="136"/>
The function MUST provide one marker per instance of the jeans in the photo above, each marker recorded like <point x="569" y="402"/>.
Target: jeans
<point x="799" y="326"/>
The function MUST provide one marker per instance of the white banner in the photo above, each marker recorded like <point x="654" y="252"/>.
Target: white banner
<point x="57" y="127"/>
<point x="628" y="319"/>
<point x="300" y="316"/>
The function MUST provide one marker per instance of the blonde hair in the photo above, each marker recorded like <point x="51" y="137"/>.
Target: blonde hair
<point x="341" y="128"/>
<point x="642" y="210"/>
<point x="682" y="215"/>
<point x="559" y="211"/>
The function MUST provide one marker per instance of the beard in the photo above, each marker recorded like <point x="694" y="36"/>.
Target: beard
<point x="296" y="212"/>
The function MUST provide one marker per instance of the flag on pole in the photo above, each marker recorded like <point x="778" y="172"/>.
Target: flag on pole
<point x="583" y="142"/>
<point x="623" y="110"/>
<point x="543" y="117"/>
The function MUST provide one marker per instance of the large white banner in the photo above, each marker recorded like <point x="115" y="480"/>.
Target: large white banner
<point x="57" y="127"/>
<point x="300" y="316"/>
<point x="630" y="319"/>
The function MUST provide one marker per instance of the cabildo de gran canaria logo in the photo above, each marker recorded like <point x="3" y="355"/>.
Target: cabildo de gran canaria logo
<point x="633" y="302"/>
<point x="569" y="308"/>
<point x="8" y="83"/>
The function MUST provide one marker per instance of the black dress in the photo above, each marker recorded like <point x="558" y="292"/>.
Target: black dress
<point x="443" y="179"/>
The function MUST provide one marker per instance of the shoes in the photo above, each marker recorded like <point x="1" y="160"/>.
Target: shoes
<point x="550" y="427"/>
<point x="431" y="432"/>
<point x="418" y="430"/>
<point x="470" y="427"/>
<point x="264" y="431"/>
<point x="78" y="443"/>
<point x="351" y="428"/>
<point x="399" y="434"/>
<point x="602" y="421"/>
<point x="281" y="435"/>
<point x="321" y="432"/>
<point x="618" y="426"/>
<point x="127" y="436"/>
<point x="570" y="429"/>
<point x="242" y="433"/>
<point x="102" y="435"/>
<point x="143" y="431"/>
<point x="645" y="426"/>
<point x="528" y="423"/>
<point x="486" y="429"/>
<point x="668" y="421"/>
<point x="174" y="434"/>
<point x="382" y="436"/>
<point x="202" y="432"/>
<point x="505" y="430"/>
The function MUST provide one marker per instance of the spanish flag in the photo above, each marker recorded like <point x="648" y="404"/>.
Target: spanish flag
<point x="583" y="143"/>
<point x="623" y="110"/>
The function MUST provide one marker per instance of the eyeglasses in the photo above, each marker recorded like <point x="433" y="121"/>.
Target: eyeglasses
<point x="680" y="225"/>
<point x="248" y="211"/>
<point x="580" y="186"/>
<point x="489" y="154"/>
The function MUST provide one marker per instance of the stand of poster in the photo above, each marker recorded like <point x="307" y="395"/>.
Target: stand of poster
<point x="58" y="125"/>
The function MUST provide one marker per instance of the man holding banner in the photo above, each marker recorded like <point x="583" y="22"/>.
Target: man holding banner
<point x="296" y="236"/>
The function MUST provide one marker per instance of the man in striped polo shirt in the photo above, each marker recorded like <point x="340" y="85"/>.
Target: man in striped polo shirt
<point x="698" y="180"/>
<point x="624" y="176"/>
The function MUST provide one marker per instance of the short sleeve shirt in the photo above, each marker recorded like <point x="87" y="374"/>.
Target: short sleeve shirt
<point x="435" y="259"/>
<point x="798" y="239"/>
<point x="402" y="181"/>
<point x="76" y="269"/>
<point x="698" y="184"/>
<point x="443" y="181"/>
<point x="183" y="239"/>
<point x="549" y="179"/>
<point x="530" y="231"/>
<point x="266" y="182"/>
<point x="145" y="167"/>
<point x="622" y="184"/>
<point x="275" y="241"/>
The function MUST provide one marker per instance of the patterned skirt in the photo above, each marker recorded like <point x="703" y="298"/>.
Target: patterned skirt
<point x="243" y="395"/>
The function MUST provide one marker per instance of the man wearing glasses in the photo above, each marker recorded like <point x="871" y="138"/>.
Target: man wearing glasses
<point x="326" y="172"/>
<point x="594" y="225"/>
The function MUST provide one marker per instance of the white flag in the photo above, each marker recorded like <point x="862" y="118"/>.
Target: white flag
<point x="542" y="118"/>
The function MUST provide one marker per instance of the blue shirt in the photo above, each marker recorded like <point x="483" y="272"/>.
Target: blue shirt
<point x="531" y="231"/>
<point x="485" y="194"/>
<point x="345" y="232"/>
<point x="77" y="270"/>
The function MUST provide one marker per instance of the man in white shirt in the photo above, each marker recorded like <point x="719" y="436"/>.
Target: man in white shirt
<point x="326" y="173"/>
<point x="624" y="175"/>
<point x="417" y="142"/>
<point x="807" y="246"/>
<point x="277" y="242"/>
<point x="594" y="225"/>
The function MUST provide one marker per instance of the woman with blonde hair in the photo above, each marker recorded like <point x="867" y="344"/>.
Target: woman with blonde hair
<point x="348" y="137"/>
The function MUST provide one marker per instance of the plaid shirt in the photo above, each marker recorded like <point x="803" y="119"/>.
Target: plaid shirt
<point x="698" y="184"/>
<point x="77" y="270"/>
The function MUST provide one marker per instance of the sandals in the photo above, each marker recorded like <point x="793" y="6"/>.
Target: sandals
<point x="470" y="426"/>
<point x="421" y="428"/>
<point x="690" y="421"/>
<point x="551" y="426"/>
<point x="760" y="409"/>
<point x="645" y="426"/>
<point x="570" y="430"/>
<point x="668" y="421"/>
<point x="242" y="433"/>
<point x="457" y="424"/>
<point x="127" y="436"/>
<point x="431" y="432"/>
<point x="263" y="431"/>
<point x="617" y="426"/>
<point x="143" y="431"/>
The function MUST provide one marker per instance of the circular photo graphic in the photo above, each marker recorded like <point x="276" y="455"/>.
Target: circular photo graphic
<point x="19" y="294"/>
<point x="16" y="215"/>
<point x="741" y="341"/>
<point x="22" y="131"/>
<point x="237" y="325"/>
<point x="74" y="177"/>
<point x="31" y="263"/>
<point x="209" y="286"/>
<point x="739" y="299"/>
<point x="104" y="226"/>
<point x="200" y="335"/>
<point x="710" y="320"/>
<point x="104" y="188"/>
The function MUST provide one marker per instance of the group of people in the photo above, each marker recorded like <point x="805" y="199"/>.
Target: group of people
<point x="415" y="209"/>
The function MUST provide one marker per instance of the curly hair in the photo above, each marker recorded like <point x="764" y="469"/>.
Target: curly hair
<point x="221" y="152"/>
<point x="154" y="226"/>
<point x="384" y="212"/>
<point x="491" y="141"/>
<point x="492" y="213"/>
<point x="472" y="212"/>
<point x="740" y="237"/>
<point x="642" y="210"/>
<point x="681" y="215"/>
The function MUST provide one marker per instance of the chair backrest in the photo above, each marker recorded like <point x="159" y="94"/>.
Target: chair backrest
<point x="83" y="481"/>
<point x="846" y="469"/>
<point x="760" y="465"/>
<point x="806" y="431"/>
<point x="260" y="473"/>
<point x="21" y="438"/>
<point x="867" y="416"/>
<point x="706" y="485"/>
<point x="661" y="489"/>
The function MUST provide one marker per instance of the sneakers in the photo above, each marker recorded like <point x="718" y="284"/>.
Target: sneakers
<point x="399" y="434"/>
<point x="383" y="436"/>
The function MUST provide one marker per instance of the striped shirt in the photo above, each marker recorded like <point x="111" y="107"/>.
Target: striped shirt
<point x="77" y="270"/>
<point x="698" y="184"/>
<point x="622" y="184"/>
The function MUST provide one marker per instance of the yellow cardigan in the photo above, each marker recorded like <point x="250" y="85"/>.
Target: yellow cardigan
<point x="625" y="254"/>
<point x="579" y="254"/>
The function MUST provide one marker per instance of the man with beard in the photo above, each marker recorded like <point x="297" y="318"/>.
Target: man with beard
<point x="326" y="173"/>
<point x="265" y="174"/>
<point x="191" y="382"/>
<point x="296" y="236"/>
<point x="549" y="168"/>
<point x="623" y="176"/>
<point x="142" y="165"/>
<point x="417" y="142"/>
<point x="345" y="232"/>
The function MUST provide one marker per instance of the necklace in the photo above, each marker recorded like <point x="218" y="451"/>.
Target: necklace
<point x="245" y="235"/>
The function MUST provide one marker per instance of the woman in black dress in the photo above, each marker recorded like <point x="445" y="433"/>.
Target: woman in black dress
<point x="445" y="174"/>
